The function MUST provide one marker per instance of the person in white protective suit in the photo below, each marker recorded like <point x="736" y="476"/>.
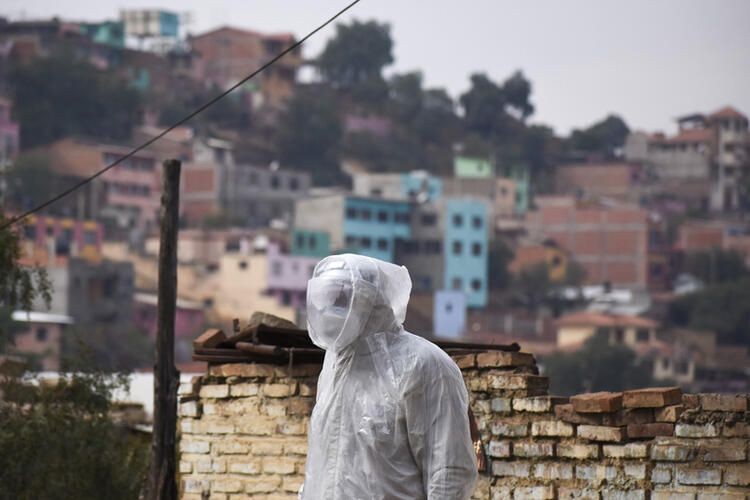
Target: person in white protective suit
<point x="391" y="416"/>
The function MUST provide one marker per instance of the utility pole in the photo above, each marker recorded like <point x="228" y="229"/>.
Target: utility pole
<point x="162" y="481"/>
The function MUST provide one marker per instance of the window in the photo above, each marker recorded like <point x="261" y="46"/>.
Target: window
<point x="382" y="216"/>
<point x="476" y="222"/>
<point x="366" y="242"/>
<point x="41" y="334"/>
<point x="294" y="184"/>
<point x="286" y="298"/>
<point x="89" y="237"/>
<point x="29" y="232"/>
<point x="242" y="264"/>
<point x="402" y="217"/>
<point x="208" y="302"/>
<point x="449" y="308"/>
<point x="351" y="241"/>
<point x="276" y="268"/>
<point x="682" y="367"/>
<point x="382" y="244"/>
<point x="642" y="335"/>
<point x="428" y="219"/>
<point x="619" y="335"/>
<point x="366" y="214"/>
<point x="476" y="284"/>
<point x="275" y="182"/>
<point x="556" y="261"/>
<point x="432" y="246"/>
<point x="351" y="213"/>
<point x="476" y="249"/>
<point x="457" y="247"/>
<point x="300" y="240"/>
<point x="312" y="242"/>
<point x="458" y="220"/>
<point x="457" y="284"/>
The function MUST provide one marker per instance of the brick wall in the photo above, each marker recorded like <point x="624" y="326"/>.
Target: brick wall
<point x="243" y="435"/>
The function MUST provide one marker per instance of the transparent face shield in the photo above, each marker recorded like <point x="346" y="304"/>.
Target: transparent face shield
<point x="339" y="304"/>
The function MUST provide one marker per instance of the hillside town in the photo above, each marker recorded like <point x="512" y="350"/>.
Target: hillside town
<point x="639" y="237"/>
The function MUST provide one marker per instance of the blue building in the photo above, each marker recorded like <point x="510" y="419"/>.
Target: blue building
<point x="416" y="183"/>
<point x="449" y="313"/>
<point x="363" y="225"/>
<point x="310" y="243"/>
<point x="372" y="226"/>
<point x="465" y="242"/>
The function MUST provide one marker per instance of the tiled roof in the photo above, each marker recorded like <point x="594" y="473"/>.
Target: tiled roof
<point x="726" y="112"/>
<point x="587" y="318"/>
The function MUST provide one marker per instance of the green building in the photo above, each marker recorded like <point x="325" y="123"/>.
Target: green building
<point x="473" y="167"/>
<point x="310" y="243"/>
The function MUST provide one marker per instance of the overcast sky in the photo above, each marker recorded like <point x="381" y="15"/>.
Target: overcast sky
<point x="647" y="60"/>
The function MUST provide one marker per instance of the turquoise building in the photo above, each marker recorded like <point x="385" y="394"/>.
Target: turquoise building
<point x="521" y="175"/>
<point x="309" y="243"/>
<point x="473" y="167"/>
<point x="372" y="226"/>
<point x="465" y="248"/>
<point x="416" y="182"/>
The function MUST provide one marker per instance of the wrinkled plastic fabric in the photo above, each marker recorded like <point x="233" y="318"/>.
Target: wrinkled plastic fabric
<point x="390" y="419"/>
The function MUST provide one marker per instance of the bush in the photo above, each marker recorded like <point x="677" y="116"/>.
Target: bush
<point x="59" y="442"/>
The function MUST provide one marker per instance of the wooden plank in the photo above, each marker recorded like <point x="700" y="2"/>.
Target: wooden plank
<point x="210" y="338"/>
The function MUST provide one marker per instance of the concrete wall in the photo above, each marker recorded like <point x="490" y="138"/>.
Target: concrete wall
<point x="325" y="214"/>
<point x="243" y="435"/>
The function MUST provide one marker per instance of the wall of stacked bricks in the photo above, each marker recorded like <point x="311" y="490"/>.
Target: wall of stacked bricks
<point x="243" y="435"/>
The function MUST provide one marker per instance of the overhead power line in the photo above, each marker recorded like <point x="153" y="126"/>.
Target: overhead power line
<point x="164" y="132"/>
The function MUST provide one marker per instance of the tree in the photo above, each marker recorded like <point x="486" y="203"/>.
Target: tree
<point x="499" y="256"/>
<point x="356" y="54"/>
<point x="19" y="285"/>
<point x="109" y="351"/>
<point x="59" y="441"/>
<point x="604" y="137"/>
<point x="309" y="136"/>
<point x="716" y="265"/>
<point x="722" y="308"/>
<point x="31" y="181"/>
<point x="533" y="286"/>
<point x="597" y="366"/>
<point x="484" y="106"/>
<point x="58" y="96"/>
<point x="517" y="92"/>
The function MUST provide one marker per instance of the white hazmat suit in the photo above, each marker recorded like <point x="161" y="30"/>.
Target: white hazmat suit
<point x="391" y="416"/>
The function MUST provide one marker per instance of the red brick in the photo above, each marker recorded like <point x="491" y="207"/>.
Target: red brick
<point x="566" y="413"/>
<point x="669" y="413"/>
<point x="504" y="359"/>
<point x="598" y="402"/>
<point x="601" y="433"/>
<point x="691" y="401"/>
<point x="629" y="416"/>
<point x="639" y="431"/>
<point x="723" y="402"/>
<point x="654" y="397"/>
<point x="465" y="361"/>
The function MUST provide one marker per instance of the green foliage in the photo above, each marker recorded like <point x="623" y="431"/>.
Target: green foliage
<point x="723" y="308"/>
<point x="59" y="96"/>
<point x="716" y="265"/>
<point x="58" y="442"/>
<point x="499" y="258"/>
<point x="109" y="351"/>
<point x="19" y="286"/>
<point x="533" y="286"/>
<point x="597" y="366"/>
<point x="357" y="54"/>
<point x="602" y="137"/>
<point x="31" y="181"/>
<point x="310" y="135"/>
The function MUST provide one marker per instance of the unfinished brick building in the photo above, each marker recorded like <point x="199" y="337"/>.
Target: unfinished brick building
<point x="243" y="429"/>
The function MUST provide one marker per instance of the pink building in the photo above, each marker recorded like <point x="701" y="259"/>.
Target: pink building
<point x="189" y="316"/>
<point x="42" y="336"/>
<point x="126" y="195"/>
<point x="288" y="275"/>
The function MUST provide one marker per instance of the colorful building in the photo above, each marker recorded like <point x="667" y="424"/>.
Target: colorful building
<point x="288" y="276"/>
<point x="465" y="243"/>
<point x="368" y="226"/>
<point x="310" y="243"/>
<point x="521" y="176"/>
<point x="51" y="241"/>
<point x="473" y="167"/>
<point x="449" y="315"/>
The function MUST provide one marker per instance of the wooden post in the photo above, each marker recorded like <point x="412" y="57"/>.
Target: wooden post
<point x="162" y="482"/>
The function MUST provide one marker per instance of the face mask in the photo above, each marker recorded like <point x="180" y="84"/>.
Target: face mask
<point x="337" y="310"/>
